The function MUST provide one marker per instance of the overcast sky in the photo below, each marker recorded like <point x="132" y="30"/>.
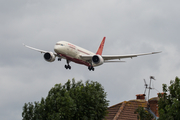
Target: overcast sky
<point x="130" y="27"/>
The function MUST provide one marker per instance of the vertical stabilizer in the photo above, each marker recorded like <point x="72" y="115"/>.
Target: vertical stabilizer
<point x="99" y="52"/>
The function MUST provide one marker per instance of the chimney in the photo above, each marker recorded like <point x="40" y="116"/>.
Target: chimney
<point x="140" y="96"/>
<point x="160" y="94"/>
<point x="153" y="104"/>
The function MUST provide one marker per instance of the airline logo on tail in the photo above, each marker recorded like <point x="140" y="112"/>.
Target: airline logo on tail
<point x="100" y="50"/>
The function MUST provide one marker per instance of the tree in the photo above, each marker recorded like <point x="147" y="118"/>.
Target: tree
<point x="169" y="102"/>
<point x="143" y="114"/>
<point x="71" y="101"/>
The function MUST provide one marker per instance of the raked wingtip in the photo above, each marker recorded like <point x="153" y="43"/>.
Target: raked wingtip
<point x="156" y="52"/>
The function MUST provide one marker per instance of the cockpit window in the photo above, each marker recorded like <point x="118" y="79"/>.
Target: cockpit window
<point x="59" y="44"/>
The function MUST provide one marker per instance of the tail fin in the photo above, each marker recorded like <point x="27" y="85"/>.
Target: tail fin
<point x="99" y="52"/>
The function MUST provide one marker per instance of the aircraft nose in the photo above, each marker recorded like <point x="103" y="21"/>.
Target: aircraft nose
<point x="56" y="48"/>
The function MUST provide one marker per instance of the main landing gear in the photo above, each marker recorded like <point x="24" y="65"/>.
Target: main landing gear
<point x="91" y="68"/>
<point x="67" y="66"/>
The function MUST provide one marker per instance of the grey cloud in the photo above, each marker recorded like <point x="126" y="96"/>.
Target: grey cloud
<point x="130" y="27"/>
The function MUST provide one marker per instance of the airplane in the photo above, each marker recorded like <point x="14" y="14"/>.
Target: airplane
<point x="74" y="53"/>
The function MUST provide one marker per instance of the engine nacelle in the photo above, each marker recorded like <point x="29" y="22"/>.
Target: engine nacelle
<point x="97" y="60"/>
<point x="49" y="56"/>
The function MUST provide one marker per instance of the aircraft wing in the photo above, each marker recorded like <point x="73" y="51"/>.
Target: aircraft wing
<point x="113" y="57"/>
<point x="42" y="51"/>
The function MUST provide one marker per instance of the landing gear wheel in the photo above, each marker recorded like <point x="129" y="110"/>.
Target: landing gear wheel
<point x="91" y="68"/>
<point x="67" y="66"/>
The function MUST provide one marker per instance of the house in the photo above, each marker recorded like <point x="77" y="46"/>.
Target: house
<point x="125" y="110"/>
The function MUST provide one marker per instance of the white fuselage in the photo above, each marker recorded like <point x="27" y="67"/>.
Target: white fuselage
<point x="71" y="52"/>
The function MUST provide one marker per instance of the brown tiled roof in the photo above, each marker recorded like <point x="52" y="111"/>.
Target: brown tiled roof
<point x="112" y="111"/>
<point x="125" y="110"/>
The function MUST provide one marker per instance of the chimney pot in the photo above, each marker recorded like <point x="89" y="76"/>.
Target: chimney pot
<point x="140" y="96"/>
<point x="160" y="94"/>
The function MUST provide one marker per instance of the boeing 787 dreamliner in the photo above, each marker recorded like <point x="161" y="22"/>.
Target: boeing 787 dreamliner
<point x="74" y="53"/>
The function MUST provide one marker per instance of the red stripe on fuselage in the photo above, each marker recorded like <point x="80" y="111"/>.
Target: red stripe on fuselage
<point x="75" y="60"/>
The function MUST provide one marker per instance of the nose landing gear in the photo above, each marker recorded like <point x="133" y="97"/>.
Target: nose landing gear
<point x="59" y="59"/>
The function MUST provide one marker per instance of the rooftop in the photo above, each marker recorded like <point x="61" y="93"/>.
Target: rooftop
<point x="125" y="110"/>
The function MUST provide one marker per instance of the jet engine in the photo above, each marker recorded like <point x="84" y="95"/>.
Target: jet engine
<point x="49" y="56"/>
<point x="97" y="60"/>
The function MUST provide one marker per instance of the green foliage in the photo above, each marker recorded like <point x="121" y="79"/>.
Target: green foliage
<point x="169" y="103"/>
<point x="143" y="114"/>
<point x="72" y="101"/>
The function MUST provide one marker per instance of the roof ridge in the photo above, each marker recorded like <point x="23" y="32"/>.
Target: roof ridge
<point x="116" y="105"/>
<point x="120" y="110"/>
